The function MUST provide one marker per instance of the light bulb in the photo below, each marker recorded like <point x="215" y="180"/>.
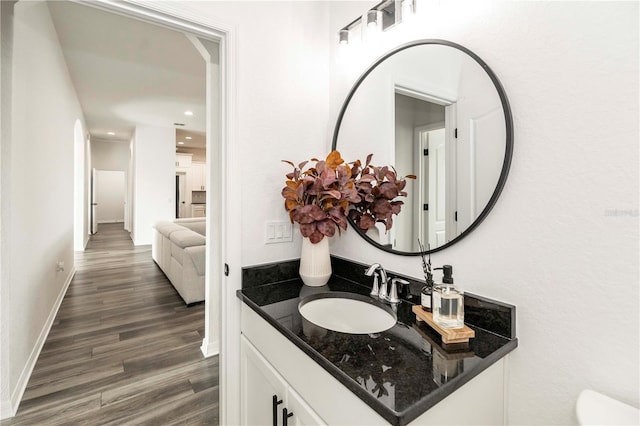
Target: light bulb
<point x="407" y="10"/>
<point x="344" y="36"/>
<point x="372" y="19"/>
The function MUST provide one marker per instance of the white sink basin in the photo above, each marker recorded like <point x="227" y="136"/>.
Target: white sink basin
<point x="347" y="313"/>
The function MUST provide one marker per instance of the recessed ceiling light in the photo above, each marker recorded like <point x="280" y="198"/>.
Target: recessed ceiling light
<point x="111" y="133"/>
<point x="180" y="143"/>
<point x="188" y="138"/>
<point x="188" y="113"/>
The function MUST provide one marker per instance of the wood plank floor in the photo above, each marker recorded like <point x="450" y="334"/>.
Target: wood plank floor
<point x="124" y="348"/>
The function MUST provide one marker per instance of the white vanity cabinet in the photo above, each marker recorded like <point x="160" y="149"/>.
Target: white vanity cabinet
<point x="266" y="398"/>
<point x="273" y="365"/>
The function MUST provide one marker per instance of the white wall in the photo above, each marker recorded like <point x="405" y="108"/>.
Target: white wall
<point x="37" y="194"/>
<point x="281" y="105"/>
<point x="153" y="180"/>
<point x="110" y="155"/>
<point x="6" y="47"/>
<point x="562" y="242"/>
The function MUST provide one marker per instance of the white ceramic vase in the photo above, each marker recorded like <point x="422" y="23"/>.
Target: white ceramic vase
<point x="315" y="262"/>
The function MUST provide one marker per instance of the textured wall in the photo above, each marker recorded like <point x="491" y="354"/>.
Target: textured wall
<point x="562" y="242"/>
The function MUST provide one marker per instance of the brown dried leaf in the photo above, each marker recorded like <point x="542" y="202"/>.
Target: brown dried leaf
<point x="316" y="237"/>
<point x="327" y="227"/>
<point x="334" y="159"/>
<point x="366" y="222"/>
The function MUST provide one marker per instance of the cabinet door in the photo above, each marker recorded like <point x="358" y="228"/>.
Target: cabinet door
<point x="199" y="176"/>
<point x="302" y="413"/>
<point x="260" y="383"/>
<point x="183" y="160"/>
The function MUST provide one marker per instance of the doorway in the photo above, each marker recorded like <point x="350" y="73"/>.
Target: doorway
<point x="220" y="155"/>
<point x="181" y="195"/>
<point x="109" y="197"/>
<point x="432" y="191"/>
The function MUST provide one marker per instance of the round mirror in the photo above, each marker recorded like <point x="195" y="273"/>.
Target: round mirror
<point x="433" y="109"/>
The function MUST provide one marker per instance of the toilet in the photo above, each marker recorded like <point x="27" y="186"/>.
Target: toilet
<point x="593" y="408"/>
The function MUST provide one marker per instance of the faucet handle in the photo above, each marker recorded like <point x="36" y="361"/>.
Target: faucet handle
<point x="375" y="289"/>
<point x="393" y="294"/>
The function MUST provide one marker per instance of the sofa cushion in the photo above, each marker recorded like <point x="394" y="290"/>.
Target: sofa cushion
<point x="197" y="224"/>
<point x="187" y="238"/>
<point x="167" y="228"/>
<point x="199" y="227"/>
<point x="197" y="256"/>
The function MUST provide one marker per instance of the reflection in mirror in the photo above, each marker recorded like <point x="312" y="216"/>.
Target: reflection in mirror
<point x="432" y="109"/>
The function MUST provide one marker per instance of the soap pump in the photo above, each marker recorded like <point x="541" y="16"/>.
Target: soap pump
<point x="448" y="301"/>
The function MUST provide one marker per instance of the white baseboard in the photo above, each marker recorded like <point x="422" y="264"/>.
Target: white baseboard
<point x="210" y="349"/>
<point x="6" y="410"/>
<point x="10" y="408"/>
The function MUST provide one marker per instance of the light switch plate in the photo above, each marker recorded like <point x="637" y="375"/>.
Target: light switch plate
<point x="278" y="231"/>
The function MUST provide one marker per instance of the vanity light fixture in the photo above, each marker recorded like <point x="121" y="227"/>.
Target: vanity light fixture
<point x="345" y="33"/>
<point x="383" y="16"/>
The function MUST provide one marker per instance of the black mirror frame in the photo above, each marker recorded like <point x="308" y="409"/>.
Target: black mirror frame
<point x="506" y="164"/>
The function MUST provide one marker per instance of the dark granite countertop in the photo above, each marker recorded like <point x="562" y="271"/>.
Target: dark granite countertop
<point x="402" y="372"/>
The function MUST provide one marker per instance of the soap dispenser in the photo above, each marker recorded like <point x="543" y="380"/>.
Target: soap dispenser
<point x="448" y="302"/>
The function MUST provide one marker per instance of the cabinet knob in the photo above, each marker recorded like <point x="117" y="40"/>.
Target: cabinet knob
<point x="275" y="403"/>
<point x="285" y="416"/>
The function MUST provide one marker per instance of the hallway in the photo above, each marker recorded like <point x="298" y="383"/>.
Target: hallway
<point x="124" y="348"/>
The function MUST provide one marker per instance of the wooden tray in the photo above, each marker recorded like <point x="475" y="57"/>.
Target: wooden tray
<point x="449" y="335"/>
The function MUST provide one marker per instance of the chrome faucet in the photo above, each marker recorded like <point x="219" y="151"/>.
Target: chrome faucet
<point x="382" y="292"/>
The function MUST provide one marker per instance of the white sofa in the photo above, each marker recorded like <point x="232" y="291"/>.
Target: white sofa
<point x="178" y="247"/>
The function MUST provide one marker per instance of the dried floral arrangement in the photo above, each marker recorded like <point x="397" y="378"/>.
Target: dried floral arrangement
<point x="320" y="197"/>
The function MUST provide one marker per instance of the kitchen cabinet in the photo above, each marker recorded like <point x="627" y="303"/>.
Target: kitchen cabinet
<point x="266" y="398"/>
<point x="198" y="176"/>
<point x="183" y="160"/>
<point x="198" y="210"/>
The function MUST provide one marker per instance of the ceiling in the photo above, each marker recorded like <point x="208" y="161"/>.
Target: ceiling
<point x="127" y="72"/>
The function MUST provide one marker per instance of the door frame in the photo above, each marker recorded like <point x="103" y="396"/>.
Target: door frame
<point x="223" y="258"/>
